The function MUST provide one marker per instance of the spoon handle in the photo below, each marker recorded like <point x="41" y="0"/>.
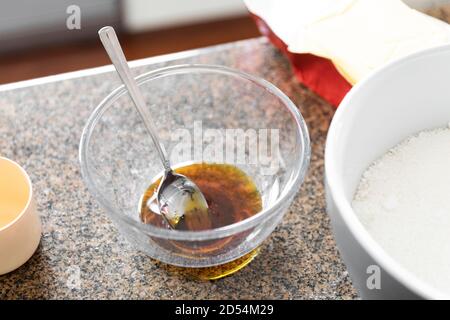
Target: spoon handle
<point x="112" y="46"/>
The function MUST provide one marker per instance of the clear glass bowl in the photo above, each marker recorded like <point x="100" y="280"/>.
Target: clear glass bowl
<point x="119" y="161"/>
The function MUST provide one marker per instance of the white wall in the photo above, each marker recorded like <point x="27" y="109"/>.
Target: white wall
<point x="142" y="15"/>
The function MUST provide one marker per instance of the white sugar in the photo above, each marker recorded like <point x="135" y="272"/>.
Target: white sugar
<point x="404" y="202"/>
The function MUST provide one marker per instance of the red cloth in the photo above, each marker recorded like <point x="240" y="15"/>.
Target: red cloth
<point x="317" y="73"/>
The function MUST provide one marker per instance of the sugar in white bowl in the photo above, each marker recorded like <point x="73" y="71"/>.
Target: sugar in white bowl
<point x="403" y="200"/>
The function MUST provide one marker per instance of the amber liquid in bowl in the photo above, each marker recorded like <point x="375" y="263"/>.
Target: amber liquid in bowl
<point x="231" y="195"/>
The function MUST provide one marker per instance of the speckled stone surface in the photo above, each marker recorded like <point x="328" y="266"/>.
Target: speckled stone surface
<point x="40" y="127"/>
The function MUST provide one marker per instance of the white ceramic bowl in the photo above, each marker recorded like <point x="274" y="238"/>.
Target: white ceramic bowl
<point x="406" y="96"/>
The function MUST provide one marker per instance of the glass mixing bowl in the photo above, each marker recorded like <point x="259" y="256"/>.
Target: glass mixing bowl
<point x="203" y="114"/>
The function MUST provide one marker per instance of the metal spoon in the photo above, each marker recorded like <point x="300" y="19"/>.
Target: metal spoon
<point x="177" y="196"/>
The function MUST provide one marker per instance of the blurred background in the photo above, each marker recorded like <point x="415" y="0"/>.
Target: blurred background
<point x="45" y="37"/>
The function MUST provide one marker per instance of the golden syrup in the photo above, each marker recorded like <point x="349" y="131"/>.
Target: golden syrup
<point x="231" y="195"/>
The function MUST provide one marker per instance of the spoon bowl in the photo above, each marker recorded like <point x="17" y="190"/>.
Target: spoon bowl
<point x="179" y="198"/>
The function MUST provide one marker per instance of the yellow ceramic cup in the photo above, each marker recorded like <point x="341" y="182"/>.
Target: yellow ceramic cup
<point x="20" y="227"/>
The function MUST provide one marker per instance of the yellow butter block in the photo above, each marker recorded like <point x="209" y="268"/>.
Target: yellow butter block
<point x="358" y="36"/>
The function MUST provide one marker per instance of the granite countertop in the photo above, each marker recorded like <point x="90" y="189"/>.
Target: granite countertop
<point x="82" y="255"/>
